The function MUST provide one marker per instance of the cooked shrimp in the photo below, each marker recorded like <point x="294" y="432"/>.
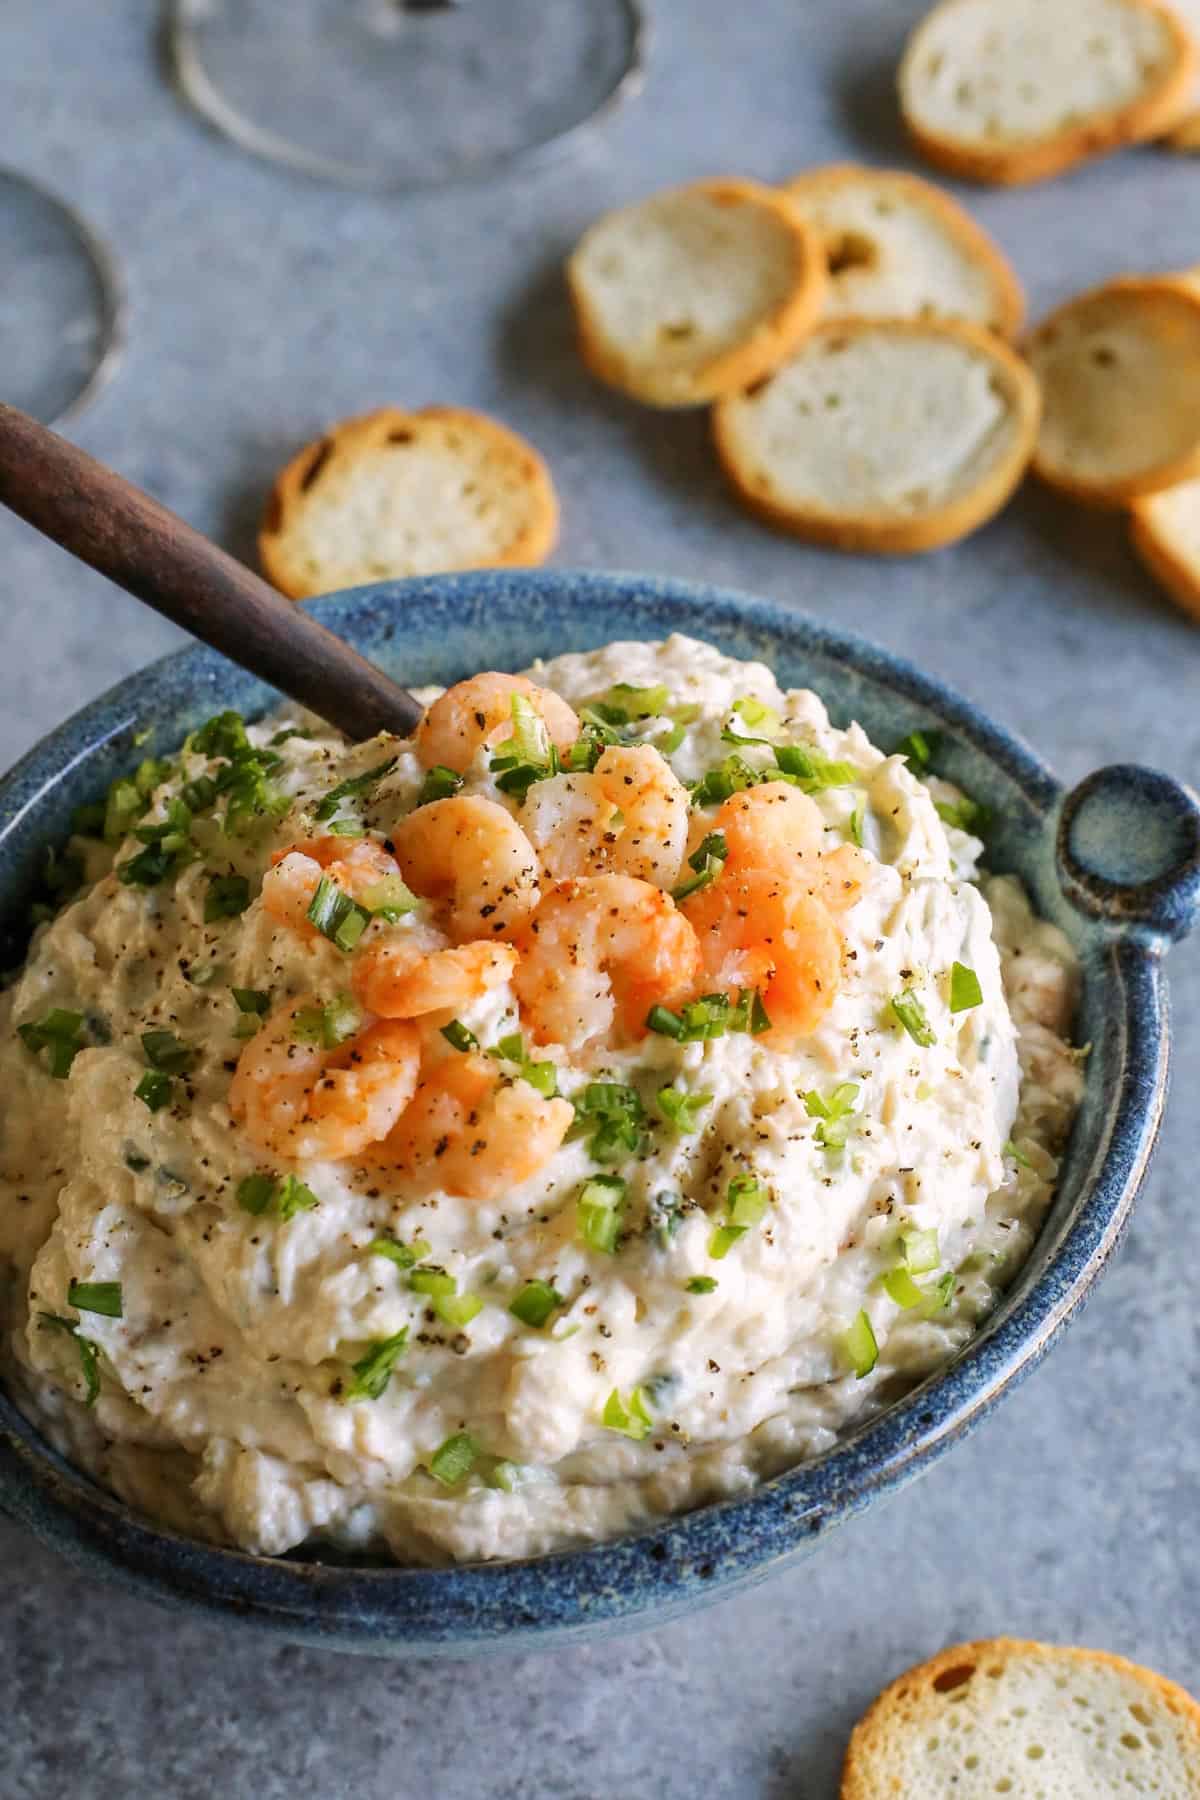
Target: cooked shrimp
<point x="472" y="1131"/>
<point x="598" y="954"/>
<point x="628" y="816"/>
<point x="298" y="1101"/>
<point x="399" y="980"/>
<point x="479" y="712"/>
<point x="471" y="858"/>
<point x="776" y="827"/>
<point x="356" y="864"/>
<point x="758" y="929"/>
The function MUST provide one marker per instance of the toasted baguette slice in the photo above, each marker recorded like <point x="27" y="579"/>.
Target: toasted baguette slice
<point x="1018" y="90"/>
<point x="1120" y="374"/>
<point x="1165" y="529"/>
<point x="696" y="292"/>
<point x="1185" y="131"/>
<point x="394" y="493"/>
<point x="900" y="248"/>
<point x="891" y="435"/>
<point x="1013" y="1717"/>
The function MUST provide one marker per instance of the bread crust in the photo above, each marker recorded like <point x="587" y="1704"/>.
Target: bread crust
<point x="1152" y="480"/>
<point x="885" y="532"/>
<point x="865" y="1772"/>
<point x="766" y="345"/>
<point x="957" y="221"/>
<point x="1178" y="575"/>
<point x="366" y="432"/>
<point x="1155" y="111"/>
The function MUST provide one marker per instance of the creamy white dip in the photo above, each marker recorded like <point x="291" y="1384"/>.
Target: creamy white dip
<point x="222" y="1385"/>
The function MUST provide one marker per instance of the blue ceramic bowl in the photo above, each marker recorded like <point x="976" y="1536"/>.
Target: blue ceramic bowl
<point x="1116" y="864"/>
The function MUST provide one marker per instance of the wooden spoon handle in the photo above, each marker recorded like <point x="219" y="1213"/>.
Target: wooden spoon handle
<point x="150" y="551"/>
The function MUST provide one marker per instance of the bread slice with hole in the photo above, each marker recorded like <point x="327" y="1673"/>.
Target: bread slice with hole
<point x="1120" y="374"/>
<point x="1008" y="1716"/>
<point x="1018" y="90"/>
<point x="693" y="293"/>
<point x="899" y="247"/>
<point x="395" y="493"/>
<point x="1165" y="529"/>
<point x="887" y="435"/>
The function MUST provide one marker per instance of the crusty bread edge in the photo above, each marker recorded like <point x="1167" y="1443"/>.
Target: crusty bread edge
<point x="766" y="346"/>
<point x="885" y="533"/>
<point x="1173" y="572"/>
<point x="870" y="1735"/>
<point x="1110" y="494"/>
<point x="528" y="549"/>
<point x="967" y="231"/>
<point x="1149" y="116"/>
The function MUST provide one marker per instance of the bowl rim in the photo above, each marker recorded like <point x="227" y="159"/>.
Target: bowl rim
<point x="681" y="1560"/>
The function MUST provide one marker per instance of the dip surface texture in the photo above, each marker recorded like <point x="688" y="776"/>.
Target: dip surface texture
<point x="268" y="1348"/>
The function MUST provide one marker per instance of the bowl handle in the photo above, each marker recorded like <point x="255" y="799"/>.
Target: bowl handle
<point x="1129" y="850"/>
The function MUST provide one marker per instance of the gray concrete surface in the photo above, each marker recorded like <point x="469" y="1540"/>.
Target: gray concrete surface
<point x="263" y="305"/>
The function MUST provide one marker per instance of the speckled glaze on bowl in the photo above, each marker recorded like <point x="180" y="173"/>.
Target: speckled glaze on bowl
<point x="1116" y="864"/>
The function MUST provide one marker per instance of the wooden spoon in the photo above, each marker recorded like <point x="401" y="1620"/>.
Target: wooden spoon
<point x="150" y="551"/>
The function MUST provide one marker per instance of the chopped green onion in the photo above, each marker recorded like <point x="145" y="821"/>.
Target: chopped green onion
<point x="835" y="1115"/>
<point x="662" y="1020"/>
<point x="251" y="1000"/>
<point x="811" y="771"/>
<point x="96" y="1297"/>
<point x="634" y="702"/>
<point x="440" y="783"/>
<point x="389" y="899"/>
<point x="535" y="1302"/>
<point x="921" y="1253"/>
<point x="613" y="1115"/>
<point x="964" y="814"/>
<point x="61" y="1033"/>
<point x="911" y="1014"/>
<point x="681" y="717"/>
<point x="722" y="1240"/>
<point x="357" y="784"/>
<point x="965" y="991"/>
<point x="403" y="1255"/>
<point x="859" y="1346"/>
<point x="665" y="1215"/>
<point x="506" y="1476"/>
<point x="631" y="1418"/>
<point x="757" y="715"/>
<point x="199" y="793"/>
<point x="166" y="1052"/>
<point x="347" y="828"/>
<point x="900" y="1287"/>
<point x="855" y="827"/>
<point x="453" y="1461"/>
<point x="730" y="776"/>
<point x="701" y="1284"/>
<point x="155" y="1089"/>
<point x="227" y="896"/>
<point x="458" y="1037"/>
<point x="254" y="1193"/>
<point x="435" y="1282"/>
<point x="920" y="747"/>
<point x="747" y="1200"/>
<point x="457" y="1309"/>
<point x="328" y="1026"/>
<point x="541" y="1076"/>
<point x="680" y="1109"/>
<point x="598" y="1212"/>
<point x="89" y="1352"/>
<point x="1018" y="1156"/>
<point x="336" y="916"/>
<point x="937" y="1298"/>
<point x="222" y="735"/>
<point x="289" y="731"/>
<point x="374" y="1370"/>
<point x="708" y="861"/>
<point x="292" y="1196"/>
<point x="125" y="804"/>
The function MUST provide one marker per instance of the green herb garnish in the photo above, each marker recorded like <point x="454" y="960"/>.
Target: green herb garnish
<point x="284" y="1195"/>
<point x="254" y="1193"/>
<point x="630" y="1417"/>
<point x="680" y="1110"/>
<point x="374" y="1370"/>
<point x="707" y="861"/>
<point x="965" y="991"/>
<point x="541" y="1076"/>
<point x="155" y="1089"/>
<point x="911" y="1014"/>
<point x="251" y="1000"/>
<point x="453" y="1461"/>
<point x="598" y="1212"/>
<point x="89" y="1352"/>
<point x="440" y="783"/>
<point x="166" y="1052"/>
<point x="859" y="1346"/>
<point x="357" y="784"/>
<point x="403" y="1255"/>
<point x="102" y="1297"/>
<point x="389" y="899"/>
<point x="834" y="1115"/>
<point x="61" y="1033"/>
<point x="811" y="771"/>
<point x="730" y="776"/>
<point x="611" y="1116"/>
<point x="458" y="1037"/>
<point x="336" y="916"/>
<point x="535" y="1303"/>
<point x="227" y="897"/>
<point x="920" y="747"/>
<point x="963" y="814"/>
<point x="701" y="1284"/>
